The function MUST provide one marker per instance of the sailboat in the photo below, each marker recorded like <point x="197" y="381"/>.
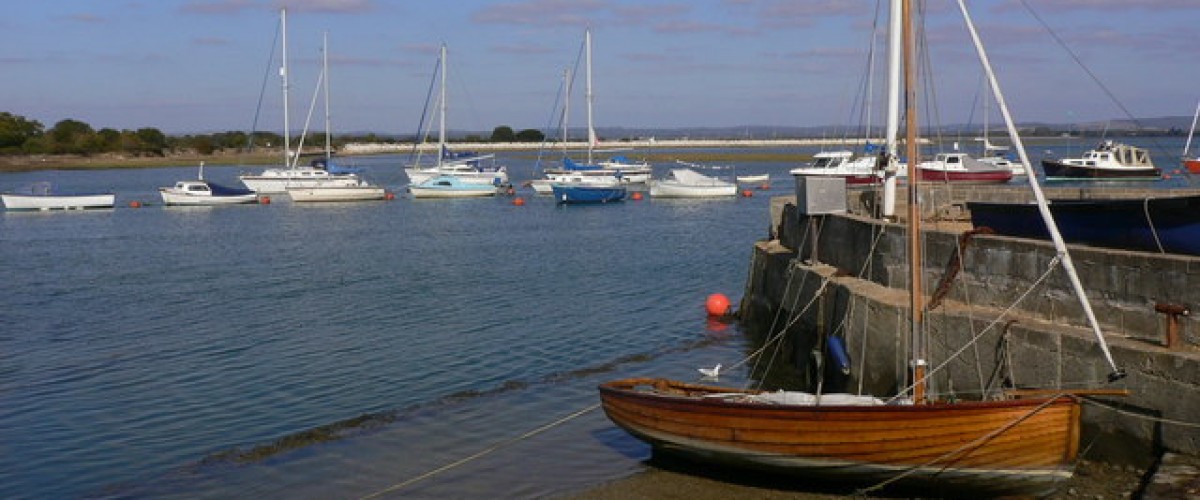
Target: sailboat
<point x="1191" y="163"/>
<point x="617" y="170"/>
<point x="277" y="180"/>
<point x="347" y="191"/>
<point x="910" y="439"/>
<point x="470" y="168"/>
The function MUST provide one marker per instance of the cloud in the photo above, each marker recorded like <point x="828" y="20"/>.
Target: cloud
<point x="86" y="18"/>
<point x="222" y="7"/>
<point x="522" y="49"/>
<point x="327" y="6"/>
<point x="542" y="13"/>
<point x="217" y="6"/>
<point x="210" y="41"/>
<point x="1102" y="5"/>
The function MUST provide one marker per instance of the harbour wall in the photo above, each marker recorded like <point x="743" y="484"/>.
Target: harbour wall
<point x="846" y="275"/>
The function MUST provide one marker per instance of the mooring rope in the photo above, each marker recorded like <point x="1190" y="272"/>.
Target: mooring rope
<point x="481" y="453"/>
<point x="981" y="439"/>
<point x="1127" y="413"/>
<point x="1150" y="222"/>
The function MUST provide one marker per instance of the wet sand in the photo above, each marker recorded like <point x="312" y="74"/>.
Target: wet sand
<point x="671" y="479"/>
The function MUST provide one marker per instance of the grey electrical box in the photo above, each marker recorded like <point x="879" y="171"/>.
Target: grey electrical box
<point x="820" y="195"/>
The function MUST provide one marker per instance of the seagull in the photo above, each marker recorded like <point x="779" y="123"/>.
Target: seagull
<point x="711" y="373"/>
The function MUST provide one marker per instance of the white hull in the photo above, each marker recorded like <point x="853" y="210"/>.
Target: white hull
<point x="57" y="202"/>
<point x="660" y="189"/>
<point x="185" y="199"/>
<point x="423" y="192"/>
<point x="753" y="179"/>
<point x="687" y="183"/>
<point x="336" y="193"/>
<point x="417" y="176"/>
<point x="277" y="180"/>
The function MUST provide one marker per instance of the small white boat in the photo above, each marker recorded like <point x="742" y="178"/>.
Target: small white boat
<point x="754" y="179"/>
<point x="41" y="197"/>
<point x="201" y="192"/>
<point x="361" y="192"/>
<point x="687" y="183"/>
<point x="449" y="186"/>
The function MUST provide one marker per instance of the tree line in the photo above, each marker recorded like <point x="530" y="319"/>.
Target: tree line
<point x="22" y="136"/>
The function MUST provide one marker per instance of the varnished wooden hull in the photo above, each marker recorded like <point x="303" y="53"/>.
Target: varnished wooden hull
<point x="1005" y="446"/>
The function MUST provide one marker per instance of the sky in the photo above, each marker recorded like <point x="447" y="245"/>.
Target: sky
<point x="197" y="66"/>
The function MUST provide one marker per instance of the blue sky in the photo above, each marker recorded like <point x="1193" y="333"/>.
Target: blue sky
<point x="198" y="65"/>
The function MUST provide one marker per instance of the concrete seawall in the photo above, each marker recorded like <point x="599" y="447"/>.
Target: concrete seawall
<point x="845" y="275"/>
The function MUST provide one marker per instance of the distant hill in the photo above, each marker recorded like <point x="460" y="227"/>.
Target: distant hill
<point x="1150" y="126"/>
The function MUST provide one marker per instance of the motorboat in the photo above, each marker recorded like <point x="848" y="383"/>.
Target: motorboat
<point x="687" y="183"/>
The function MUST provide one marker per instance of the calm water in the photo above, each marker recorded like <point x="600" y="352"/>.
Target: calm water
<point x="189" y="352"/>
<point x="338" y="351"/>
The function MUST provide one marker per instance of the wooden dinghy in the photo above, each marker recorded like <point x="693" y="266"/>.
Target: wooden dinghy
<point x="1018" y="445"/>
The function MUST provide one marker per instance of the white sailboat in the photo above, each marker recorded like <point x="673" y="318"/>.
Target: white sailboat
<point x="357" y="191"/>
<point x="277" y="180"/>
<point x="616" y="170"/>
<point x="468" y="167"/>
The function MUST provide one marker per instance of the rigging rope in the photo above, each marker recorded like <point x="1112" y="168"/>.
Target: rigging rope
<point x="937" y="368"/>
<point x="911" y="470"/>
<point x="481" y="453"/>
<point x="1150" y="222"/>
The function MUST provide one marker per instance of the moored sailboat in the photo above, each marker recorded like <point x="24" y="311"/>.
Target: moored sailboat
<point x="291" y="174"/>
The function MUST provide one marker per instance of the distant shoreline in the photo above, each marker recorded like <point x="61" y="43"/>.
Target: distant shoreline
<point x="644" y="149"/>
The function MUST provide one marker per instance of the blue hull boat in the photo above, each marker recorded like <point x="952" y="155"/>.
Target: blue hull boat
<point x="588" y="194"/>
<point x="1158" y="224"/>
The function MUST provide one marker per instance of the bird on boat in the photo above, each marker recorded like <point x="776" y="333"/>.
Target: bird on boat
<point x="711" y="373"/>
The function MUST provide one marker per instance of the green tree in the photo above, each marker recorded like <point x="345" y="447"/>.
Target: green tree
<point x="108" y="140"/>
<point x="70" y="137"/>
<point x="530" y="135"/>
<point x="15" y="130"/>
<point x="153" y="141"/>
<point x="503" y="133"/>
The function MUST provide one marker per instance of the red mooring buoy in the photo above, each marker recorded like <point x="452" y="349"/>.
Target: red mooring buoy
<point x="519" y="202"/>
<point x="637" y="195"/>
<point x="135" y="204"/>
<point x="747" y="193"/>
<point x="717" y="305"/>
<point x="389" y="196"/>
<point x="265" y="200"/>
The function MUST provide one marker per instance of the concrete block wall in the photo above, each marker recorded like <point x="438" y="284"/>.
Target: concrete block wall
<point x="1049" y="337"/>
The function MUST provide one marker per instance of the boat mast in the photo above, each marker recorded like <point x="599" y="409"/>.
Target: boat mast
<point x="914" y="209"/>
<point x="283" y="74"/>
<point x="587" y="40"/>
<point x="566" y="113"/>
<point x="893" y="111"/>
<point x="442" y="111"/>
<point x="1043" y="207"/>
<point x="325" y="71"/>
<point x="1187" y="146"/>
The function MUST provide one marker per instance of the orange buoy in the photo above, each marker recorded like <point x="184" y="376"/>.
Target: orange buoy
<point x="389" y="195"/>
<point x="265" y="200"/>
<point x="637" y="195"/>
<point x="747" y="193"/>
<point x="135" y="204"/>
<point x="717" y="305"/>
<point x="764" y="186"/>
<point x="519" y="202"/>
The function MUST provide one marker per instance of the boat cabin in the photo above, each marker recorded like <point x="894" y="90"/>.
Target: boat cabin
<point x="1114" y="154"/>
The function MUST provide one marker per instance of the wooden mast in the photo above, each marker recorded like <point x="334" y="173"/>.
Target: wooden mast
<point x="912" y="151"/>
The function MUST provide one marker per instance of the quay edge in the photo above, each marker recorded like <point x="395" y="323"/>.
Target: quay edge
<point x="1045" y="335"/>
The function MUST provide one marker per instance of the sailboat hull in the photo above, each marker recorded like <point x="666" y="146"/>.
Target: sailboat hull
<point x="1005" y="446"/>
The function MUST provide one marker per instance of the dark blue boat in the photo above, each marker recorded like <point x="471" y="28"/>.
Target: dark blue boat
<point x="1158" y="224"/>
<point x="572" y="193"/>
